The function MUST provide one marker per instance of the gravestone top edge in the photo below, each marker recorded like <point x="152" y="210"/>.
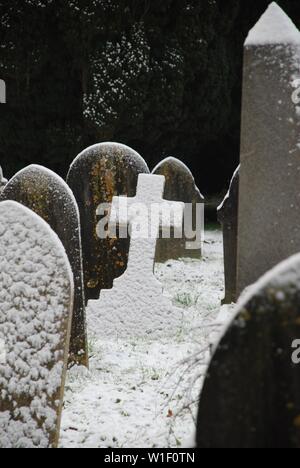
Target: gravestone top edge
<point x="99" y="147"/>
<point x="21" y="208"/>
<point x="180" y="164"/>
<point x="273" y="28"/>
<point x="48" y="173"/>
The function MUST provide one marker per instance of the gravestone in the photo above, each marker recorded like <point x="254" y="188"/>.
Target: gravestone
<point x="49" y="196"/>
<point x="228" y="217"/>
<point x="136" y="306"/>
<point x="269" y="201"/>
<point x="180" y="186"/>
<point x="251" y="393"/>
<point x="36" y="303"/>
<point x="97" y="175"/>
<point x="3" y="181"/>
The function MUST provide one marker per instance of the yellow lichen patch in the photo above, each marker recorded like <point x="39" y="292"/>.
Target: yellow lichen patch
<point x="297" y="421"/>
<point x="245" y="315"/>
<point x="290" y="406"/>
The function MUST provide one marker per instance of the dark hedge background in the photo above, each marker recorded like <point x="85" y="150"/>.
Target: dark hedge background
<point x="163" y="76"/>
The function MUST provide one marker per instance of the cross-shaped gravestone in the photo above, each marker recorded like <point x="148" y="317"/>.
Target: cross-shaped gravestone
<point x="136" y="305"/>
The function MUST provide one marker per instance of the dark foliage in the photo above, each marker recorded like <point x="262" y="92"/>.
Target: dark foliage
<point x="161" y="76"/>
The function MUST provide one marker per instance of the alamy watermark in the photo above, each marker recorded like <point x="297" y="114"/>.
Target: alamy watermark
<point x="296" y="352"/>
<point x="2" y="92"/>
<point x="123" y="219"/>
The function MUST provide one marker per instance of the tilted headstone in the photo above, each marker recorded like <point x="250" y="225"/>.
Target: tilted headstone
<point x="251" y="393"/>
<point x="36" y="303"/>
<point x="269" y="202"/>
<point x="136" y="306"/>
<point x="97" y="175"/>
<point x="228" y="217"/>
<point x="180" y="186"/>
<point x="49" y="196"/>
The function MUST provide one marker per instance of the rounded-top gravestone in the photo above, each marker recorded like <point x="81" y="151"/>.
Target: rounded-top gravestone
<point x="251" y="393"/>
<point x="36" y="304"/>
<point x="45" y="193"/>
<point x="97" y="175"/>
<point x="180" y="186"/>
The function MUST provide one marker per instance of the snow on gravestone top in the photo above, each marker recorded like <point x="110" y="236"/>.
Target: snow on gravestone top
<point x="274" y="27"/>
<point x="136" y="306"/>
<point x="45" y="193"/>
<point x="36" y="303"/>
<point x="97" y="175"/>
<point x="180" y="186"/>
<point x="251" y="393"/>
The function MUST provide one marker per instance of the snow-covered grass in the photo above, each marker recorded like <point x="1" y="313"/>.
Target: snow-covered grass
<point x="142" y="393"/>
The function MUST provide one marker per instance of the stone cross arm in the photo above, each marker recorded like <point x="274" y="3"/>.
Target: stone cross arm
<point x="147" y="207"/>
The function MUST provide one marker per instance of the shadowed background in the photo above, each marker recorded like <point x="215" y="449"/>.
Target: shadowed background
<point x="162" y="77"/>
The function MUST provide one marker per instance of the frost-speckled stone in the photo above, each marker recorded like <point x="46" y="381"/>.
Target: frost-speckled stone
<point x="98" y="174"/>
<point x="180" y="186"/>
<point x="136" y="305"/>
<point x="269" y="201"/>
<point x="48" y="195"/>
<point x="251" y="392"/>
<point x="36" y="302"/>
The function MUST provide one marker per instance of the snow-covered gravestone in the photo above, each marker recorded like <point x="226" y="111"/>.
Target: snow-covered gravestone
<point x="269" y="196"/>
<point x="180" y="186"/>
<point x="45" y="193"/>
<point x="228" y="217"/>
<point x="97" y="175"/>
<point x="136" y="306"/>
<point x="251" y="393"/>
<point x="36" y="303"/>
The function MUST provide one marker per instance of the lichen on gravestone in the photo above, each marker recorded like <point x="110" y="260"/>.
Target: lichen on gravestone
<point x="44" y="192"/>
<point x="180" y="186"/>
<point x="251" y="392"/>
<point x="97" y="175"/>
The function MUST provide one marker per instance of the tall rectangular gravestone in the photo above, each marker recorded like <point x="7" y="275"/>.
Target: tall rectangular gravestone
<point x="269" y="198"/>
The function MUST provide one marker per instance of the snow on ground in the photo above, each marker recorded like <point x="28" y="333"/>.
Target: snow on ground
<point x="144" y="393"/>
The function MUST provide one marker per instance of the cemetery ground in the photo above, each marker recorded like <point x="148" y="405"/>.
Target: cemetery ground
<point x="145" y="393"/>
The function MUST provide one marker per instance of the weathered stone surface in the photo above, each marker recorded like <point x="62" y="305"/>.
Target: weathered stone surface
<point x="180" y="186"/>
<point x="269" y="202"/>
<point x="97" y="175"/>
<point x="228" y="217"/>
<point x="49" y="196"/>
<point x="135" y="306"/>
<point x="36" y="303"/>
<point x="251" y="394"/>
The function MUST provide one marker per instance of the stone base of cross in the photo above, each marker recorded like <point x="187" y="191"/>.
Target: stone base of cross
<point x="136" y="306"/>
